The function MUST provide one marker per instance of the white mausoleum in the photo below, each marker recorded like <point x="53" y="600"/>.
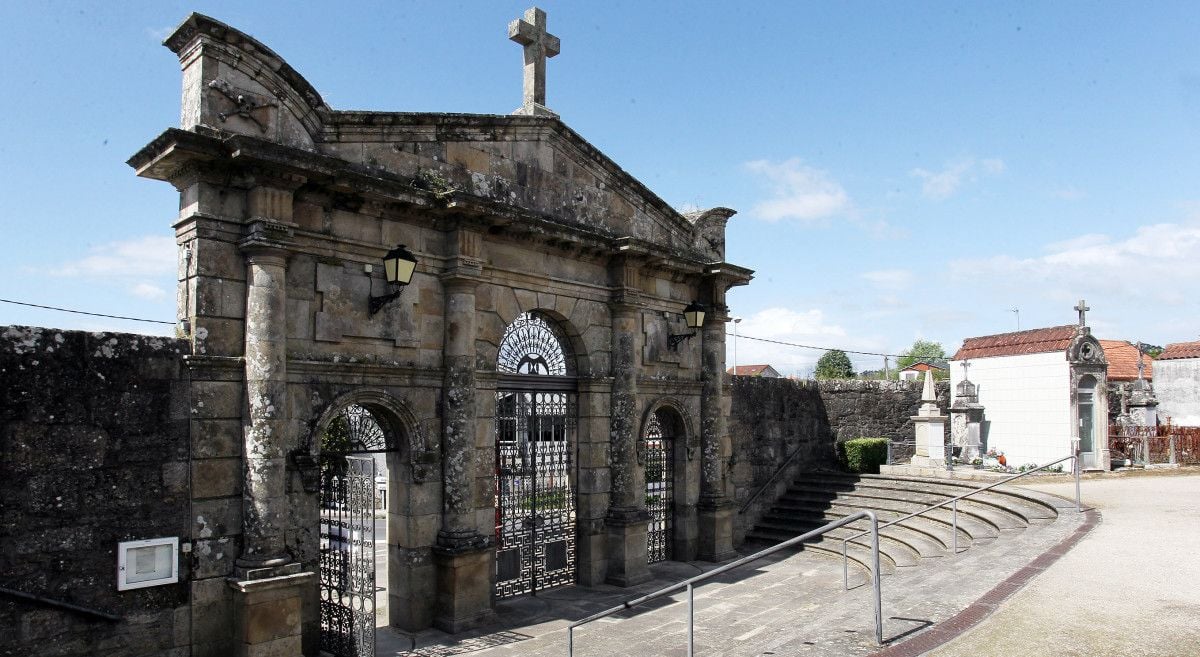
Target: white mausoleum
<point x="1040" y="389"/>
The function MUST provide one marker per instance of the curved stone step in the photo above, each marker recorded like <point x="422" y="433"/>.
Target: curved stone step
<point x="901" y="554"/>
<point x="920" y="543"/>
<point x="1032" y="505"/>
<point x="936" y="524"/>
<point x="997" y="514"/>
<point x="856" y="555"/>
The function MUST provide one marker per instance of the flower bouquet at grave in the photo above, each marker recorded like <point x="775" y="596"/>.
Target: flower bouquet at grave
<point x="994" y="460"/>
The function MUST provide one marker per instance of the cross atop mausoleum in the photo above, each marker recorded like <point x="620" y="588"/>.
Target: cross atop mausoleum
<point x="531" y="33"/>
<point x="1082" y="310"/>
<point x="966" y="364"/>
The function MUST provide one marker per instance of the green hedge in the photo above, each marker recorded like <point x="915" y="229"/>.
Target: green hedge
<point x="863" y="454"/>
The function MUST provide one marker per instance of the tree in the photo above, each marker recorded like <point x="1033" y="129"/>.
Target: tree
<point x="835" y="364"/>
<point x="923" y="350"/>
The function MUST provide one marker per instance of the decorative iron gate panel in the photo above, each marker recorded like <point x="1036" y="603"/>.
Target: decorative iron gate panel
<point x="535" y="491"/>
<point x="660" y="491"/>
<point x="348" y="555"/>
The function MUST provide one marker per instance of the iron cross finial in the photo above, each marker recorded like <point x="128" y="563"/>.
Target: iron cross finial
<point x="1082" y="310"/>
<point x="539" y="45"/>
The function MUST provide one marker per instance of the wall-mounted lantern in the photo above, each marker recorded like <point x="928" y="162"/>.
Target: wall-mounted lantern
<point x="398" y="267"/>
<point x="693" y="315"/>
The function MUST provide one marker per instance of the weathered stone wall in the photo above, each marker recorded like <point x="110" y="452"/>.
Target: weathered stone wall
<point x="772" y="418"/>
<point x="92" y="452"/>
<point x="1177" y="385"/>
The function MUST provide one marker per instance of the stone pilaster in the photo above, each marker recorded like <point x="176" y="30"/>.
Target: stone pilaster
<point x="463" y="555"/>
<point x="264" y="496"/>
<point x="715" y="509"/>
<point x="627" y="518"/>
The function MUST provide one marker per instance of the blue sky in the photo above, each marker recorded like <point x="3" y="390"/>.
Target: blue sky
<point x="901" y="170"/>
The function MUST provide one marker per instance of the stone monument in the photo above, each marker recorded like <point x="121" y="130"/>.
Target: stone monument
<point x="1143" y="404"/>
<point x="966" y="418"/>
<point x="930" y="427"/>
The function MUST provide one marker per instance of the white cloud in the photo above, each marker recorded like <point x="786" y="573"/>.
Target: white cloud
<point x="151" y="255"/>
<point x="1069" y="193"/>
<point x="1153" y="264"/>
<point x="889" y="279"/>
<point x="800" y="191"/>
<point x="807" y="327"/>
<point x="941" y="185"/>
<point x="160" y="34"/>
<point x="148" y="291"/>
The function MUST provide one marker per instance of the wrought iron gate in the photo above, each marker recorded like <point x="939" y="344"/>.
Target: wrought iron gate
<point x="535" y="491"/>
<point x="348" y="555"/>
<point x="660" y="491"/>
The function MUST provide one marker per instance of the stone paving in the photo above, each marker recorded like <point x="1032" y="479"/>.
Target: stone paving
<point x="786" y="604"/>
<point x="1129" y="590"/>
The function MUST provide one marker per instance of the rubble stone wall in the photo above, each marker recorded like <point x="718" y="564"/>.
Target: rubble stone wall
<point x="93" y="451"/>
<point x="773" y="418"/>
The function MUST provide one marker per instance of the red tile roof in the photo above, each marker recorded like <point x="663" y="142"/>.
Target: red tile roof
<point x="748" y="370"/>
<point x="1181" y="350"/>
<point x="1035" y="341"/>
<point x="1122" y="358"/>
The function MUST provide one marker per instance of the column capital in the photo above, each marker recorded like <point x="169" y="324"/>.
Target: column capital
<point x="266" y="241"/>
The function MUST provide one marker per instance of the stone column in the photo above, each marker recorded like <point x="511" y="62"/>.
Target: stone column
<point x="715" y="509"/>
<point x="627" y="518"/>
<point x="463" y="555"/>
<point x="264" y="496"/>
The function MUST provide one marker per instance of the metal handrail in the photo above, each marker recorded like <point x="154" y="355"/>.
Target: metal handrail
<point x="51" y="602"/>
<point x="954" y="505"/>
<point x="786" y="462"/>
<point x="689" y="584"/>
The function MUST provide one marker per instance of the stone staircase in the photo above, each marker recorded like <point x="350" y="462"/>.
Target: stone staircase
<point x="815" y="499"/>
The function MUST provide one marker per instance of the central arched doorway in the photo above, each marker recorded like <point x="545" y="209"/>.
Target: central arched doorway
<point x="354" y="451"/>
<point x="535" y="458"/>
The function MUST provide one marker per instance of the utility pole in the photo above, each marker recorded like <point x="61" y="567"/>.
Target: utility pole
<point x="736" y="321"/>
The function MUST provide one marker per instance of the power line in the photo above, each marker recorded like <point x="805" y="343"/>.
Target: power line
<point x="809" y="346"/>
<point x="81" y="312"/>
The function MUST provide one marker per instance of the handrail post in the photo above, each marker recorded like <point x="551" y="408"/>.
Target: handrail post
<point x="691" y="621"/>
<point x="875" y="581"/>
<point x="954" y="519"/>
<point x="570" y="641"/>
<point x="845" y="567"/>
<point x="1077" y="466"/>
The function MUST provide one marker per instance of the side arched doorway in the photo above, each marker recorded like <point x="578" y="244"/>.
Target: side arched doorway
<point x="535" y="481"/>
<point x="359" y="447"/>
<point x="664" y="461"/>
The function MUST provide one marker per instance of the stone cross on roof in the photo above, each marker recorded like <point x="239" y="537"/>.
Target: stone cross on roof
<point x="1082" y="310"/>
<point x="1141" y="347"/>
<point x="531" y="33"/>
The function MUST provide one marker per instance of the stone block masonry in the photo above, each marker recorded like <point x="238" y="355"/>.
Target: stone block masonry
<point x="93" y="451"/>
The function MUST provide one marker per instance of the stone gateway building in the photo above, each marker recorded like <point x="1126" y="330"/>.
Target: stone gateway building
<point x="540" y="410"/>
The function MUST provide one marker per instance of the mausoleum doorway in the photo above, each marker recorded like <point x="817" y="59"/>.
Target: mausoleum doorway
<point x="535" y="481"/>
<point x="1086" y="404"/>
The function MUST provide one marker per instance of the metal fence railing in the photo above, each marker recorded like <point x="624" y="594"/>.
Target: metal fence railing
<point x="1165" y="444"/>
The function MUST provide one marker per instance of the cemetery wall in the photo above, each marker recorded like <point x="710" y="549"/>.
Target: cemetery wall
<point x="93" y="451"/>
<point x="772" y="418"/>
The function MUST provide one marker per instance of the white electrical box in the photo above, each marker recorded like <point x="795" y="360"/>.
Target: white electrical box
<point x="152" y="562"/>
